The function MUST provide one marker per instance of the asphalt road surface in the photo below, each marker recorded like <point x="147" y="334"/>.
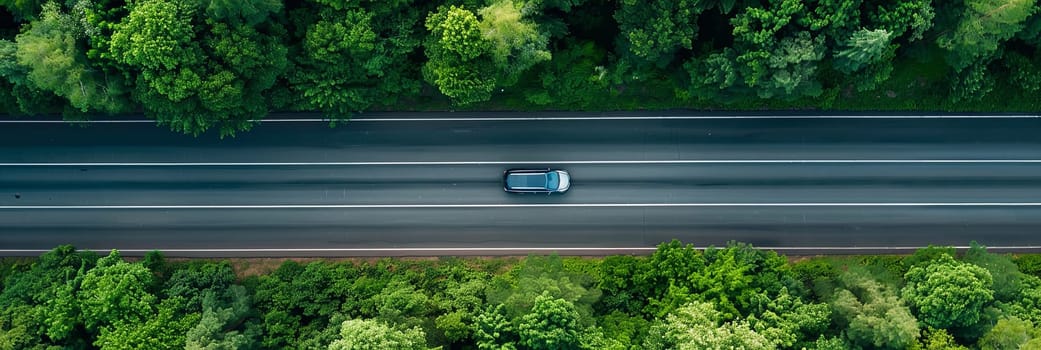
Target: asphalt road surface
<point x="430" y="184"/>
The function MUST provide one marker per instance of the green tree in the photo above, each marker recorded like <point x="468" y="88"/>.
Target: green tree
<point x="515" y="42"/>
<point x="297" y="303"/>
<point x="1009" y="333"/>
<point x="222" y="312"/>
<point x="372" y="335"/>
<point x="939" y="339"/>
<point x="353" y="57"/>
<point x="493" y="329"/>
<point x="459" y="291"/>
<point x="901" y="17"/>
<point x="970" y="84"/>
<point x="115" y="292"/>
<point x="653" y="31"/>
<point x="538" y="275"/>
<point x="553" y="323"/>
<point x="699" y="326"/>
<point x="947" y="293"/>
<point x="250" y="12"/>
<point x="23" y="10"/>
<point x="51" y="52"/>
<point x="194" y="74"/>
<point x="196" y="280"/>
<point x="863" y="48"/>
<point x="163" y="329"/>
<point x="459" y="63"/>
<point x="401" y="304"/>
<point x="38" y="306"/>
<point x="772" y="57"/>
<point x="786" y="320"/>
<point x="575" y="78"/>
<point x="1025" y="304"/>
<point x="982" y="27"/>
<point x="871" y="313"/>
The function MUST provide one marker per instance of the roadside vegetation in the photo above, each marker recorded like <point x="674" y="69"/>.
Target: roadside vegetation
<point x="735" y="297"/>
<point x="201" y="65"/>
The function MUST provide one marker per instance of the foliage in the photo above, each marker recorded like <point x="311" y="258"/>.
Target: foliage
<point x="946" y="293"/>
<point x="222" y="313"/>
<point x="939" y="339"/>
<point x="297" y="302"/>
<point x="459" y="63"/>
<point x="515" y="43"/>
<point x="519" y="290"/>
<point x="352" y="58"/>
<point x="553" y="323"/>
<point x="1009" y="333"/>
<point x="653" y="31"/>
<point x="370" y="335"/>
<point x="221" y="65"/>
<point x="716" y="298"/>
<point x="51" y="52"/>
<point x="871" y="313"/>
<point x="698" y="325"/>
<point x="195" y="74"/>
<point x="1029" y="264"/>
<point x="982" y="27"/>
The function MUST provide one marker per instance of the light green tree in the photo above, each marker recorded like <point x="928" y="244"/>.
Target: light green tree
<point x="699" y="326"/>
<point x="50" y="50"/>
<point x="939" y="339"/>
<point x="115" y="292"/>
<point x="515" y="42"/>
<point x="358" y="334"/>
<point x="864" y="47"/>
<point x="947" y="293"/>
<point x="1009" y="333"/>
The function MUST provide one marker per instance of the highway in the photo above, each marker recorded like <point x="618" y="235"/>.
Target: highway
<point x="430" y="184"/>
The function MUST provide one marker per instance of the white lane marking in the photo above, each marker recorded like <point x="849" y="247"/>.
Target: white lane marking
<point x="492" y="249"/>
<point x="663" y="117"/>
<point x="546" y="205"/>
<point x="519" y="162"/>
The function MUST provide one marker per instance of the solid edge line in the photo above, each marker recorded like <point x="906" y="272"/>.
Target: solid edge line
<point x="560" y="162"/>
<point x="362" y="119"/>
<point x="494" y="206"/>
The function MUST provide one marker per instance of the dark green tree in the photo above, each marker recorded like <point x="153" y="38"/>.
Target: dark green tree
<point x="981" y="28"/>
<point x="653" y="31"/>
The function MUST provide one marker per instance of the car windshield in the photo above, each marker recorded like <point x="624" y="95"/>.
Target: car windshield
<point x="552" y="180"/>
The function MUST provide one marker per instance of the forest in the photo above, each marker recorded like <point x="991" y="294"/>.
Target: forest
<point x="679" y="297"/>
<point x="220" y="66"/>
